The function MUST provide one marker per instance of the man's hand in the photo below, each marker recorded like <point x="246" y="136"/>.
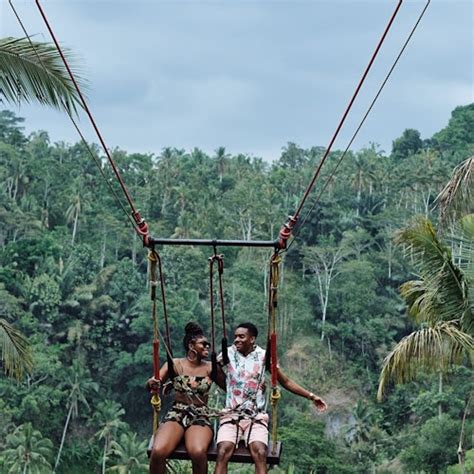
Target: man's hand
<point x="153" y="385"/>
<point x="319" y="403"/>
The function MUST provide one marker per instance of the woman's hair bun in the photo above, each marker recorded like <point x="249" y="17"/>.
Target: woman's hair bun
<point x="193" y="329"/>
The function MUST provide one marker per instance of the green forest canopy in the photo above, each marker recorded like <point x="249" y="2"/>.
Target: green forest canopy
<point x="73" y="280"/>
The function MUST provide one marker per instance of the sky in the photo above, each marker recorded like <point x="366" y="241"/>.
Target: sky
<point x="253" y="75"/>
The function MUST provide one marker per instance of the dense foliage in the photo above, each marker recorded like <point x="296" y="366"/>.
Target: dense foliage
<point x="73" y="280"/>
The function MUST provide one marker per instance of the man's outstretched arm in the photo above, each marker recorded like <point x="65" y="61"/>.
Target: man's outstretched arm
<point x="293" y="387"/>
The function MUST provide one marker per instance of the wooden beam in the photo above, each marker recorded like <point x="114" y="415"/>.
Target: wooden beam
<point x="241" y="454"/>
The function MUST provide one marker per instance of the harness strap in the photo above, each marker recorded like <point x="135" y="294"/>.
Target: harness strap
<point x="220" y="268"/>
<point x="236" y="421"/>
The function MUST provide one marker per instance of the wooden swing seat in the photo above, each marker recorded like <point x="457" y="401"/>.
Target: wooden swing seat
<point x="241" y="453"/>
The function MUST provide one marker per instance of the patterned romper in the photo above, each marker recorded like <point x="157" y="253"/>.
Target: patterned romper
<point x="189" y="415"/>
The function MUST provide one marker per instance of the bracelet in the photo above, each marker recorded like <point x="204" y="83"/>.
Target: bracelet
<point x="311" y="396"/>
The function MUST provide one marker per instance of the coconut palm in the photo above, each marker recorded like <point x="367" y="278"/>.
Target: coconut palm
<point x="441" y="301"/>
<point x="15" y="354"/>
<point x="108" y="417"/>
<point x="80" y="386"/>
<point x="34" y="72"/>
<point x="457" y="197"/>
<point x="31" y="72"/>
<point x="130" y="454"/>
<point x="364" y="419"/>
<point x="27" y="451"/>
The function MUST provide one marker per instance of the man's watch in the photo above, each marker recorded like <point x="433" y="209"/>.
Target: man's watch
<point x="312" y="396"/>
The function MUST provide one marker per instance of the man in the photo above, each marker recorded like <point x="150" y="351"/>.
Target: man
<point x="245" y="418"/>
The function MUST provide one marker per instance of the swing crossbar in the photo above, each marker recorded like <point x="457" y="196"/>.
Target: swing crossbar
<point x="215" y="242"/>
<point x="241" y="453"/>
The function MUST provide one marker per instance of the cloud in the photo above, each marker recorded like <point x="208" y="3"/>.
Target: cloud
<point x="253" y="75"/>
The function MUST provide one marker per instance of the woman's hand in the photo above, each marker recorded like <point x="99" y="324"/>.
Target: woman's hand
<point x="153" y="385"/>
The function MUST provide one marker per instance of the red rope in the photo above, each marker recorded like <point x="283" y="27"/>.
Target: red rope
<point x="156" y="359"/>
<point x="285" y="231"/>
<point x="142" y="226"/>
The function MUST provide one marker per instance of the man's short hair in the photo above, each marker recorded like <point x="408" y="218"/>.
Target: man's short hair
<point x="251" y="328"/>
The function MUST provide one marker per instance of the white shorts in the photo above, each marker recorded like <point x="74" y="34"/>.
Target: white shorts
<point x="248" y="430"/>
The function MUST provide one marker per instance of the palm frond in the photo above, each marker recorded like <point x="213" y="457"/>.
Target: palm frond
<point x="456" y="198"/>
<point x="463" y="240"/>
<point x="414" y="293"/>
<point x="432" y="348"/>
<point x="34" y="72"/>
<point x="463" y="253"/>
<point x="15" y="351"/>
<point x="441" y="293"/>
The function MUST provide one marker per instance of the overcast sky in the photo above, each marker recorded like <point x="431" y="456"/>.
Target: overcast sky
<point x="252" y="75"/>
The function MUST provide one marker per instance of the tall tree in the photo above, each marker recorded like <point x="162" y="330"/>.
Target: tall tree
<point x="108" y="416"/>
<point x="130" y="455"/>
<point x="27" y="451"/>
<point x="438" y="300"/>
<point x="80" y="386"/>
<point x="457" y="197"/>
<point x="323" y="261"/>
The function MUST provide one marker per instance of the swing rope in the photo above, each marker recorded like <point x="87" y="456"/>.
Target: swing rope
<point x="274" y="278"/>
<point x="155" y="264"/>
<point x="155" y="397"/>
<point x="286" y="229"/>
<point x="219" y="259"/>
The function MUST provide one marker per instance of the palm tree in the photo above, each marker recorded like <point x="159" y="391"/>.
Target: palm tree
<point x="72" y="214"/>
<point x="108" y="417"/>
<point x="456" y="198"/>
<point x="79" y="385"/>
<point x="15" y="354"/>
<point x="130" y="454"/>
<point x="441" y="301"/>
<point x="34" y="72"/>
<point x="221" y="157"/>
<point x="31" y="72"/>
<point x="364" y="419"/>
<point x="27" y="451"/>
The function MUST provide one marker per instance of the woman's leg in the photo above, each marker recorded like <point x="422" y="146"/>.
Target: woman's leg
<point x="197" y="439"/>
<point x="166" y="439"/>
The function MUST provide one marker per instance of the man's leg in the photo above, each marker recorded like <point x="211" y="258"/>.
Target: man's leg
<point x="258" y="441"/>
<point x="225" y="449"/>
<point x="227" y="437"/>
<point x="258" y="451"/>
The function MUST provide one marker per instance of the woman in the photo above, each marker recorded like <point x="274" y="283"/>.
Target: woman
<point x="188" y="415"/>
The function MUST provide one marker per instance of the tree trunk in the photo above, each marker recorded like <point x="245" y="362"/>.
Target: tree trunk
<point x="134" y="250"/>
<point x="103" y="249"/>
<point x="390" y="260"/>
<point x="104" y="457"/>
<point x="63" y="437"/>
<point x="265" y="286"/>
<point x="460" y="452"/>
<point x="74" y="229"/>
<point x="440" y="392"/>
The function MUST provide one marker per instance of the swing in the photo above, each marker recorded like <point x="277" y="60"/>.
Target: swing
<point x="241" y="453"/>
<point x="141" y="227"/>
